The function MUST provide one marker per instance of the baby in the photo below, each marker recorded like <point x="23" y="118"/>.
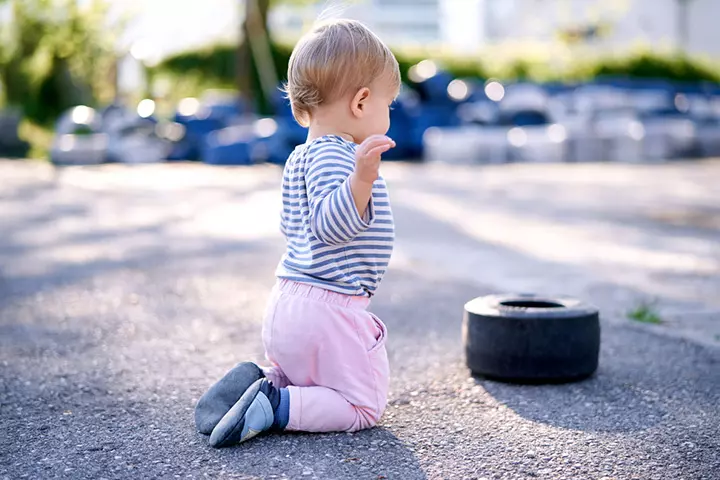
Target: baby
<point x="329" y="368"/>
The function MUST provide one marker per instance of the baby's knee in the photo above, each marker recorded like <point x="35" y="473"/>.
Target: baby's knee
<point x="365" y="418"/>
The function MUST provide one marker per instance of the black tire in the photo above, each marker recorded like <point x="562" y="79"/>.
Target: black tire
<point x="530" y="339"/>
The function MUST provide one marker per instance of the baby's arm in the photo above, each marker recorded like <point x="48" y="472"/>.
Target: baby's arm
<point x="332" y="181"/>
<point x="283" y="224"/>
<point x="367" y="169"/>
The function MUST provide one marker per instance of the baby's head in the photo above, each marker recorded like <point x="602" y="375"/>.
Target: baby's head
<point x="342" y="75"/>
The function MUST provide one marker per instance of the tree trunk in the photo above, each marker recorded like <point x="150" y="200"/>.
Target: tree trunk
<point x="256" y="13"/>
<point x="244" y="59"/>
<point x="683" y="32"/>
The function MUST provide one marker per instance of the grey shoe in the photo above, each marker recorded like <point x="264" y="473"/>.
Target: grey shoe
<point x="223" y="394"/>
<point x="253" y="414"/>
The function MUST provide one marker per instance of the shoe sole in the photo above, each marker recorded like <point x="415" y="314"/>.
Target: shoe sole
<point x="233" y="428"/>
<point x="223" y="394"/>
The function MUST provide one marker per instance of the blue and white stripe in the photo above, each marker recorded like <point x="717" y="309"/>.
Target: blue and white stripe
<point x="328" y="243"/>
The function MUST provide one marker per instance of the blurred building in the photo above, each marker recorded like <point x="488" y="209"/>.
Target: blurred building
<point x="608" y="24"/>
<point x="398" y="22"/>
<point x="406" y="21"/>
<point x="468" y="24"/>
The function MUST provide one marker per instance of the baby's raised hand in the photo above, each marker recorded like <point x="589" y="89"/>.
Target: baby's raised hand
<point x="367" y="157"/>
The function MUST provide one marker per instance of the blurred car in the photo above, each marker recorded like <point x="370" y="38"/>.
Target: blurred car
<point x="139" y="140"/>
<point x="247" y="143"/>
<point x="668" y="134"/>
<point x="85" y="136"/>
<point x="79" y="139"/>
<point x="503" y="136"/>
<point x="456" y="145"/>
<point x="508" y="123"/>
<point x="11" y="145"/>
<point x="199" y="119"/>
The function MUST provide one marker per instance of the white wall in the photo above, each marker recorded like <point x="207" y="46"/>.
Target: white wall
<point x="462" y="23"/>
<point x="704" y="34"/>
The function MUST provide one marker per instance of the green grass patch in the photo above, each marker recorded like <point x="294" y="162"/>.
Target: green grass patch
<point x="645" y="313"/>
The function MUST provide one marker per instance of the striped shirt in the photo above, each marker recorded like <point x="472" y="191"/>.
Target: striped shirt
<point x="329" y="244"/>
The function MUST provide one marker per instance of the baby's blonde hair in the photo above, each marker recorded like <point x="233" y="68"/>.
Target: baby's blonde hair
<point x="335" y="59"/>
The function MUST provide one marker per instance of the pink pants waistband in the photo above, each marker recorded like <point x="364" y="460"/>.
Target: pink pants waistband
<point x="320" y="294"/>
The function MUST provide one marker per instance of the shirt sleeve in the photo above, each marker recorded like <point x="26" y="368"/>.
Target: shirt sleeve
<point x="334" y="219"/>
<point x="283" y="224"/>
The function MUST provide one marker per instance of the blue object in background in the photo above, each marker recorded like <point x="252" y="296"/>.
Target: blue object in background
<point x="431" y="115"/>
<point x="196" y="129"/>
<point x="217" y="110"/>
<point x="184" y="149"/>
<point x="280" y="104"/>
<point x="262" y="140"/>
<point x="276" y="148"/>
<point x="293" y="133"/>
<point x="476" y="91"/>
<point x="219" y="129"/>
<point x="555" y="88"/>
<point x="234" y="145"/>
<point x="403" y="115"/>
<point x="404" y="147"/>
<point x="277" y="138"/>
<point x="225" y="112"/>
<point x="435" y="88"/>
<point x="289" y="133"/>
<point x="200" y="126"/>
<point x="523" y="118"/>
<point x="238" y="153"/>
<point x="224" y="105"/>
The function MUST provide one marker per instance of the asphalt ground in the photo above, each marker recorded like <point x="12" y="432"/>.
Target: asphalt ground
<point x="126" y="291"/>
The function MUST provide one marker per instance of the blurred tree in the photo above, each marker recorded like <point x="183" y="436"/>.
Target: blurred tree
<point x="683" y="20"/>
<point x="256" y="73"/>
<point x="55" y="54"/>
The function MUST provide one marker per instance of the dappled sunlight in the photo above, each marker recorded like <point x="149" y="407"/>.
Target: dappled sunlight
<point x="169" y="177"/>
<point x="695" y="182"/>
<point x="256" y="218"/>
<point x="519" y="227"/>
<point x="75" y="220"/>
<point x="550" y="241"/>
<point x="563" y="229"/>
<point x="130" y="290"/>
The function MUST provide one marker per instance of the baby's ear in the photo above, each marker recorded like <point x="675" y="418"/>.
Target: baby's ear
<point x="357" y="106"/>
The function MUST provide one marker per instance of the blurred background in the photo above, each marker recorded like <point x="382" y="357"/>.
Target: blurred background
<point x="485" y="81"/>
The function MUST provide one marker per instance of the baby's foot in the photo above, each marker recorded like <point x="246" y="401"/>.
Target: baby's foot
<point x="261" y="408"/>
<point x="222" y="395"/>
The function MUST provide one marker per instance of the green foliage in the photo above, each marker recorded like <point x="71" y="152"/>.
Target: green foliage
<point x="646" y="64"/>
<point x="55" y="54"/>
<point x="39" y="137"/>
<point x="645" y="313"/>
<point x="214" y="67"/>
<point x="217" y="65"/>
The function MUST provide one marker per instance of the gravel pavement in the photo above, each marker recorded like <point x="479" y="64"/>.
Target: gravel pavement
<point x="125" y="292"/>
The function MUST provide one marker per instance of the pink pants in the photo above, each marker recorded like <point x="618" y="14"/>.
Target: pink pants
<point x="329" y="351"/>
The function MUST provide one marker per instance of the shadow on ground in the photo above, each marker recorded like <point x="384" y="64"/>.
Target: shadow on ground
<point x="103" y="359"/>
<point x="599" y="404"/>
